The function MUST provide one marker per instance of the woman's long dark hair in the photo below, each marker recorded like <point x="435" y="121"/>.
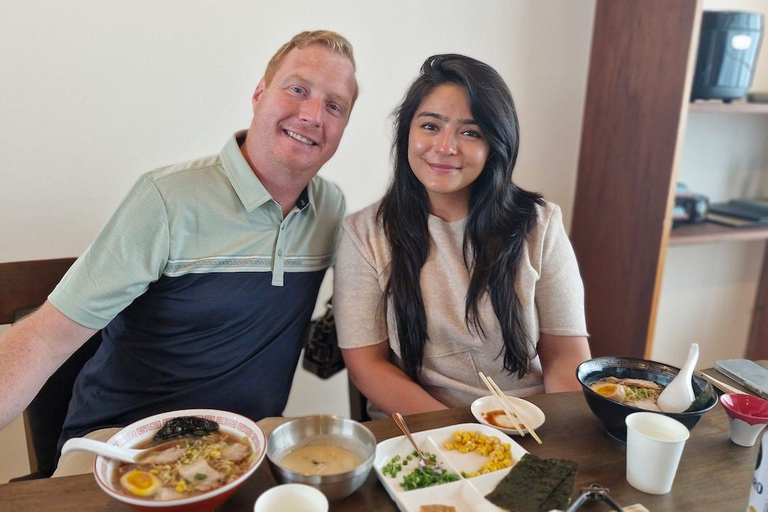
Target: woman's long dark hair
<point x="500" y="215"/>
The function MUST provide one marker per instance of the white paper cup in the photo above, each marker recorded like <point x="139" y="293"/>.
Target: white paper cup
<point x="654" y="445"/>
<point x="293" y="497"/>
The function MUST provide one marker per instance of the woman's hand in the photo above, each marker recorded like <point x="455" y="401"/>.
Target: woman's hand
<point x="385" y="384"/>
<point x="559" y="356"/>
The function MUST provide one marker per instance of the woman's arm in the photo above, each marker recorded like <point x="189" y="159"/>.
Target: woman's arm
<point x="559" y="356"/>
<point x="384" y="383"/>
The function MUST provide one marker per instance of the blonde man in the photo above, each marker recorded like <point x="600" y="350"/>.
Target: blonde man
<point x="203" y="281"/>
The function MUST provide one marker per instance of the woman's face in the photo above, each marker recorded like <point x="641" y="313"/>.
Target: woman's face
<point x="446" y="150"/>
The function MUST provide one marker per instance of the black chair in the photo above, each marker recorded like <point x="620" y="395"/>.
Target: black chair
<point x="24" y="286"/>
<point x="358" y="403"/>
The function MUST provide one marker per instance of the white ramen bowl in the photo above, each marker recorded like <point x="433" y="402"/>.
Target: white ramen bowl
<point x="142" y="432"/>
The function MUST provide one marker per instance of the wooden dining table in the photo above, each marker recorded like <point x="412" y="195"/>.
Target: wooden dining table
<point x="714" y="473"/>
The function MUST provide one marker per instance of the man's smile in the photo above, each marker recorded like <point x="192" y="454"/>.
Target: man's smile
<point x="300" y="138"/>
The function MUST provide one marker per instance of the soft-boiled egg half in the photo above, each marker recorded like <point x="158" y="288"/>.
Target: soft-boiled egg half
<point x="611" y="391"/>
<point x="140" y="483"/>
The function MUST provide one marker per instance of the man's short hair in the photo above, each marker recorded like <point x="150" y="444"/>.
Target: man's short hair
<point x="327" y="38"/>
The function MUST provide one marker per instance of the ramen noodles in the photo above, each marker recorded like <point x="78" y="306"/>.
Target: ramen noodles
<point x="185" y="467"/>
<point x="639" y="393"/>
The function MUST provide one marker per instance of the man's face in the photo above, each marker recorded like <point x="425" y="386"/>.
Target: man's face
<point x="300" y="116"/>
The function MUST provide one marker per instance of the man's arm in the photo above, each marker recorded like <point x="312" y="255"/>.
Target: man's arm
<point x="385" y="384"/>
<point x="30" y="352"/>
<point x="560" y="356"/>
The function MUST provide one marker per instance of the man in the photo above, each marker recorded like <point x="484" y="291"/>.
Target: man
<point x="205" y="278"/>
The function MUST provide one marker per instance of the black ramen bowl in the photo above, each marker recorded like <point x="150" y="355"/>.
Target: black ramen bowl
<point x="612" y="414"/>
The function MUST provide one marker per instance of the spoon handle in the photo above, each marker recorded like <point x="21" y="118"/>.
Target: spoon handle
<point x="99" y="448"/>
<point x="401" y="423"/>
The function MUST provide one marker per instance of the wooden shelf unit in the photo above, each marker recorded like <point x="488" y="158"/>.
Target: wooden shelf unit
<point x="641" y="70"/>
<point x="718" y="107"/>
<point x="708" y="232"/>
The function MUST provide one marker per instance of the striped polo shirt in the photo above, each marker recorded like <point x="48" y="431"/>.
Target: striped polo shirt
<point x="203" y="293"/>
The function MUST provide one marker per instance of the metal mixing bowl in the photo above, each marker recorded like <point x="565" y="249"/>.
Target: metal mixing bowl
<point x="332" y="430"/>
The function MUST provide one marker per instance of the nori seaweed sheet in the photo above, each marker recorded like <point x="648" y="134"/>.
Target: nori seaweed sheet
<point x="535" y="485"/>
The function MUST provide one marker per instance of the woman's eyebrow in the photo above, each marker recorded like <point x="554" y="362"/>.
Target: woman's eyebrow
<point x="445" y="119"/>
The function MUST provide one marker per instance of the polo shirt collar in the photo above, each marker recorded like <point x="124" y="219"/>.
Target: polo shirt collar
<point x="247" y="186"/>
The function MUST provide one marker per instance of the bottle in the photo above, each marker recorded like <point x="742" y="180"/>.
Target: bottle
<point x="758" y="496"/>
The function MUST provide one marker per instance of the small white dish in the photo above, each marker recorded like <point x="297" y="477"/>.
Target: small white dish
<point x="294" y="497"/>
<point x="532" y="415"/>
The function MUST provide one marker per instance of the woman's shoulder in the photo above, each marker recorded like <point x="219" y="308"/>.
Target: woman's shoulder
<point x="363" y="231"/>
<point x="546" y="209"/>
<point x="365" y="221"/>
<point x="546" y="212"/>
<point x="548" y="216"/>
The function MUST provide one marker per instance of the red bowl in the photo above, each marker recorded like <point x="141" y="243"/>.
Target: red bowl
<point x="143" y="430"/>
<point x="749" y="409"/>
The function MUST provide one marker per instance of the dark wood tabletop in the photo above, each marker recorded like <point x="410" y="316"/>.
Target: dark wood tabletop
<point x="714" y="474"/>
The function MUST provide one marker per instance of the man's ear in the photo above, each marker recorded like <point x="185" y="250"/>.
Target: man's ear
<point x="258" y="92"/>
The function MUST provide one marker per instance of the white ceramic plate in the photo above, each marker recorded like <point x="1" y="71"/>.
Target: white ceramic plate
<point x="533" y="416"/>
<point x="464" y="494"/>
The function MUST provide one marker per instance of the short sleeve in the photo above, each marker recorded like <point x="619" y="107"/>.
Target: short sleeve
<point x="357" y="295"/>
<point x="130" y="252"/>
<point x="559" y="291"/>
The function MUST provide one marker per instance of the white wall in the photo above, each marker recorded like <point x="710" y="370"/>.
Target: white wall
<point x="708" y="292"/>
<point x="94" y="93"/>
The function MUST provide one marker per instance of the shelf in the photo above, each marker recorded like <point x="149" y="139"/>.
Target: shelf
<point x="738" y="107"/>
<point x="708" y="232"/>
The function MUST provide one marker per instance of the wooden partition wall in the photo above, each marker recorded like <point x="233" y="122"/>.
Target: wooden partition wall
<point x="635" y="109"/>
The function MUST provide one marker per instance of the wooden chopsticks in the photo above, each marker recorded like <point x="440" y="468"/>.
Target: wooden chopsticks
<point x="508" y="407"/>
<point x="719" y="384"/>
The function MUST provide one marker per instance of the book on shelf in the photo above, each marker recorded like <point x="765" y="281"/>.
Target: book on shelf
<point x="741" y="209"/>
<point x="759" y="204"/>
<point x="736" y="222"/>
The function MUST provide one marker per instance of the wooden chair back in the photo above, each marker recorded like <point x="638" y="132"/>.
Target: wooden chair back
<point x="25" y="285"/>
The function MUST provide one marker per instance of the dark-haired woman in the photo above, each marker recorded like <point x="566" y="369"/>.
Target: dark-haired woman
<point x="457" y="270"/>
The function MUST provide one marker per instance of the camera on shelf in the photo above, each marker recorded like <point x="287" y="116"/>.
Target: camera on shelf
<point x="689" y="206"/>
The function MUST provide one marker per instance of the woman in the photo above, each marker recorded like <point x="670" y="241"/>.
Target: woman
<point x="457" y="270"/>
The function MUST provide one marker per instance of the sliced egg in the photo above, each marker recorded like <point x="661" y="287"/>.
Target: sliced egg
<point x="140" y="483"/>
<point x="611" y="391"/>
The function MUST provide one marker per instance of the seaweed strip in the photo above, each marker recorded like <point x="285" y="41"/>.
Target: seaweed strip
<point x="535" y="485"/>
<point x="186" y="425"/>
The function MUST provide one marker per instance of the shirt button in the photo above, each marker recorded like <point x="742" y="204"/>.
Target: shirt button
<point x="280" y="252"/>
<point x="282" y="228"/>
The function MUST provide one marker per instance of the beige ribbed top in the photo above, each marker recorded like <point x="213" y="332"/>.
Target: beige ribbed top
<point x="548" y="285"/>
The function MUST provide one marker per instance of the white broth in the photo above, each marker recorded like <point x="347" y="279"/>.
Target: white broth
<point x="320" y="459"/>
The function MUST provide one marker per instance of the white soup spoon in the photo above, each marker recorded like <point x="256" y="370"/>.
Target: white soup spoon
<point x="678" y="395"/>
